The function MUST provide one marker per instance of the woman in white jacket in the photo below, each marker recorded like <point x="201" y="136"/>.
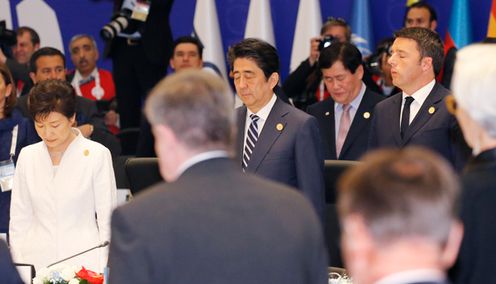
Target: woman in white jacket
<point x="64" y="187"/>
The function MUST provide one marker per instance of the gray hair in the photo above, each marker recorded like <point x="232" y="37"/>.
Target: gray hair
<point x="79" y="36"/>
<point x="474" y="84"/>
<point x="197" y="106"/>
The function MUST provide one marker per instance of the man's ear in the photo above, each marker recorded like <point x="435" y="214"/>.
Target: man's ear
<point x="450" y="251"/>
<point x="273" y="80"/>
<point x="359" y="71"/>
<point x="427" y="63"/>
<point x="33" y="77"/>
<point x="433" y="25"/>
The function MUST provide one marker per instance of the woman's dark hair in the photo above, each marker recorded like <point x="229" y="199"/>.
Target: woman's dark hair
<point x="51" y="96"/>
<point x="10" y="101"/>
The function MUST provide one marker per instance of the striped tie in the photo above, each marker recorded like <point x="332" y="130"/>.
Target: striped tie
<point x="251" y="140"/>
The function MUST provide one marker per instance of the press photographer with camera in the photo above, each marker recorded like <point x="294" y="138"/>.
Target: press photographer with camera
<point x="304" y="85"/>
<point x="139" y="41"/>
<point x="16" y="48"/>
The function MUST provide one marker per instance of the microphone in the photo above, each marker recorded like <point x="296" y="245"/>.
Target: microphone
<point x="104" y="244"/>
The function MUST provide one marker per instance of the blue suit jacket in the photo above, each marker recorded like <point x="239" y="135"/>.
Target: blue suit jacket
<point x="433" y="127"/>
<point x="356" y="142"/>
<point x="291" y="155"/>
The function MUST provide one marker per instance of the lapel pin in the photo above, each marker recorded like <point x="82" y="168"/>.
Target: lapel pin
<point x="86" y="152"/>
<point x="366" y="115"/>
<point x="279" y="127"/>
<point x="327" y="113"/>
<point x="432" y="110"/>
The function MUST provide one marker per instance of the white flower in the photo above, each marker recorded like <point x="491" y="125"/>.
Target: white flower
<point x="67" y="273"/>
<point x="42" y="273"/>
<point x="73" y="281"/>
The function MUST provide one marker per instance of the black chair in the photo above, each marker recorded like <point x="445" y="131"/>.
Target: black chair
<point x="129" y="140"/>
<point x="119" y="163"/>
<point x="142" y="173"/>
<point x="333" y="169"/>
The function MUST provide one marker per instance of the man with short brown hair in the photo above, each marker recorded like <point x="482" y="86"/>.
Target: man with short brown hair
<point x="399" y="217"/>
<point x="418" y="115"/>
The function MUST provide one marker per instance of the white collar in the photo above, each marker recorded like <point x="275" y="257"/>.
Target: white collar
<point x="412" y="276"/>
<point x="356" y="101"/>
<point x="264" y="112"/>
<point x="421" y="94"/>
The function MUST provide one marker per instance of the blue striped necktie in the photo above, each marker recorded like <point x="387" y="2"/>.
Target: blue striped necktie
<point x="251" y="140"/>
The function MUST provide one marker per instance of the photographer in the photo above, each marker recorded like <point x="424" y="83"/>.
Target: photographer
<point x="140" y="53"/>
<point x="24" y="43"/>
<point x="304" y="85"/>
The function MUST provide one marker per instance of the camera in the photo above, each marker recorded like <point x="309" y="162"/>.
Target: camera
<point x="119" y="23"/>
<point x="325" y="42"/>
<point x="7" y="37"/>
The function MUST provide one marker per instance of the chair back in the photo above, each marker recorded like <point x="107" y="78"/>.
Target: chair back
<point x="129" y="140"/>
<point x="333" y="169"/>
<point x="142" y="173"/>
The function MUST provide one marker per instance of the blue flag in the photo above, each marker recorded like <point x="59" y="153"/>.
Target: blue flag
<point x="362" y="27"/>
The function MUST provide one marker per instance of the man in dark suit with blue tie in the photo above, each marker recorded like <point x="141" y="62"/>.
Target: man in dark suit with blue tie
<point x="344" y="119"/>
<point x="418" y="115"/>
<point x="275" y="140"/>
<point x="210" y="223"/>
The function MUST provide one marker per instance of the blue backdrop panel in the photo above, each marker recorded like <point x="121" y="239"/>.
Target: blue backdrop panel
<point x="88" y="16"/>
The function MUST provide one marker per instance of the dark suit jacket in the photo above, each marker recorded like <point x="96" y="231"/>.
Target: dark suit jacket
<point x="356" y="142"/>
<point x="8" y="272"/>
<point x="438" y="131"/>
<point x="291" y="155"/>
<point x="477" y="258"/>
<point x="86" y="113"/>
<point x="216" y="224"/>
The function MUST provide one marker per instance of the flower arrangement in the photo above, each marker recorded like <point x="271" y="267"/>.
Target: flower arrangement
<point x="67" y="275"/>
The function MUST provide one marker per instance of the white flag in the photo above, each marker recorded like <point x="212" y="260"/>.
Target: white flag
<point x="259" y="22"/>
<point x="206" y="25"/>
<point x="40" y="16"/>
<point x="308" y="25"/>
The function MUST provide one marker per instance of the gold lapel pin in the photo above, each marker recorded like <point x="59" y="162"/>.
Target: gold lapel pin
<point x="432" y="110"/>
<point x="86" y="152"/>
<point x="327" y="113"/>
<point x="366" y="115"/>
<point x="279" y="127"/>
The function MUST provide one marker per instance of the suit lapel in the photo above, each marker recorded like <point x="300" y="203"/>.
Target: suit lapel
<point x="269" y="135"/>
<point x="431" y="104"/>
<point x="240" y="136"/>
<point x="395" y="118"/>
<point x="329" y="127"/>
<point x="358" y="123"/>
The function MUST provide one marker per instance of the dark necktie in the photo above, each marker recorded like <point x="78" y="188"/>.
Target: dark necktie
<point x="251" y="140"/>
<point x="405" y="116"/>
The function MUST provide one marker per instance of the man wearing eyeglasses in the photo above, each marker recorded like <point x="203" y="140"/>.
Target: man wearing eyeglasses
<point x="418" y="115"/>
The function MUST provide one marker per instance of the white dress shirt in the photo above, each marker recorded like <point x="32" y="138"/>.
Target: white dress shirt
<point x="419" y="97"/>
